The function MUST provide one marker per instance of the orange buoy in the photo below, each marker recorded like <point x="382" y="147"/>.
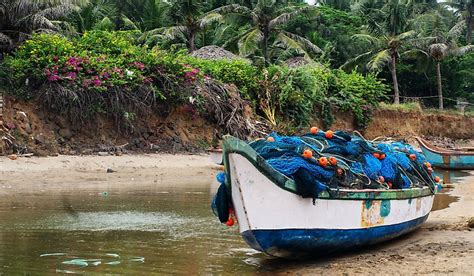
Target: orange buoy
<point x="323" y="161"/>
<point x="339" y="171"/>
<point x="307" y="154"/>
<point x="230" y="222"/>
<point x="412" y="157"/>
<point x="427" y="164"/>
<point x="382" y="156"/>
<point x="390" y="185"/>
<point x="270" y="139"/>
<point x="329" y="134"/>
<point x="437" y="179"/>
<point x="376" y="155"/>
<point x="381" y="179"/>
<point x="314" y="130"/>
<point x="332" y="160"/>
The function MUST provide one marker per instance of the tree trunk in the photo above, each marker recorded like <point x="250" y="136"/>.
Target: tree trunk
<point x="393" y="70"/>
<point x="440" y="85"/>
<point x="470" y="23"/>
<point x="191" y="41"/>
<point x="265" y="45"/>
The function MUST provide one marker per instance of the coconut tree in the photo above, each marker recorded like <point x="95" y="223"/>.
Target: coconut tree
<point x="19" y="18"/>
<point x="189" y="20"/>
<point x="97" y="14"/>
<point x="464" y="9"/>
<point x="437" y="45"/>
<point x="266" y="22"/>
<point x="385" y="35"/>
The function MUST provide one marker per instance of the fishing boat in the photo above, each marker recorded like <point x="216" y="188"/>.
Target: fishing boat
<point x="461" y="158"/>
<point x="274" y="219"/>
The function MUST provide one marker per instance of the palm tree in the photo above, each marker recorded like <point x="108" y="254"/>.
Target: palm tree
<point x="266" y="24"/>
<point x="97" y="14"/>
<point x="385" y="39"/>
<point x="145" y="14"/>
<point x="189" y="19"/>
<point x="464" y="9"/>
<point x="19" y="18"/>
<point x="438" y="45"/>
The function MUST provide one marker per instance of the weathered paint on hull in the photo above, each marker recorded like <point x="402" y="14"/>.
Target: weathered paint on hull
<point x="444" y="161"/>
<point x="282" y="224"/>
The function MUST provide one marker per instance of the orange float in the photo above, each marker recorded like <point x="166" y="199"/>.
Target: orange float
<point x="329" y="134"/>
<point x="412" y="157"/>
<point x="271" y="139"/>
<point x="307" y="154"/>
<point x="332" y="160"/>
<point x="314" y="130"/>
<point x="323" y="161"/>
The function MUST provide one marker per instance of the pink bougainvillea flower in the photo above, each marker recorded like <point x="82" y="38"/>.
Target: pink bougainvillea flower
<point x="71" y="75"/>
<point x="86" y="82"/>
<point x="140" y="66"/>
<point x="53" y="77"/>
<point x="96" y="81"/>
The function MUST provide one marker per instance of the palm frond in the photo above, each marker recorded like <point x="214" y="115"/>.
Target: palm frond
<point x="379" y="60"/>
<point x="106" y="24"/>
<point x="367" y="38"/>
<point x="249" y="43"/>
<point x="360" y="59"/>
<point x="208" y="19"/>
<point x="406" y="35"/>
<point x="302" y="42"/>
<point x="128" y="24"/>
<point x="287" y="16"/>
<point x="233" y="8"/>
<point x="463" y="50"/>
<point x="456" y="31"/>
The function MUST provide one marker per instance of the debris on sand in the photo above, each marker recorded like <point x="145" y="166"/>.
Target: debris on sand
<point x="470" y="222"/>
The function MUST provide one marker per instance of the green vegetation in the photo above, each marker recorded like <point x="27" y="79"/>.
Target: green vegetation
<point x="128" y="58"/>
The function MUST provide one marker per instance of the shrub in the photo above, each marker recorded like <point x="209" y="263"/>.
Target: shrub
<point x="358" y="93"/>
<point x="97" y="72"/>
<point x="298" y="91"/>
<point x="238" y="72"/>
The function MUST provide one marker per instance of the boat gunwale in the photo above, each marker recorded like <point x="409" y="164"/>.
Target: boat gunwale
<point x="437" y="150"/>
<point x="234" y="145"/>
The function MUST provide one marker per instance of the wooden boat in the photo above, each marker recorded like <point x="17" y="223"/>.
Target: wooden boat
<point x="274" y="219"/>
<point x="462" y="158"/>
<point x="215" y="155"/>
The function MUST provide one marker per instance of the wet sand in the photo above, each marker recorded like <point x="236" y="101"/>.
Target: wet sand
<point x="444" y="244"/>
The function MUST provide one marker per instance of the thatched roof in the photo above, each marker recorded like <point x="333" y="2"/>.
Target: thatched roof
<point x="214" y="52"/>
<point x="300" y="61"/>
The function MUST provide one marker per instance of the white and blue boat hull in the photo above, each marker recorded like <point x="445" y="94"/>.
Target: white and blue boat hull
<point x="284" y="224"/>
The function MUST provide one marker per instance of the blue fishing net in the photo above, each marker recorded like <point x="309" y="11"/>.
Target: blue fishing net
<point x="360" y="163"/>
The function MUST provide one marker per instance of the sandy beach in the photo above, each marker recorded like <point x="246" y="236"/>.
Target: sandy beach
<point x="444" y="244"/>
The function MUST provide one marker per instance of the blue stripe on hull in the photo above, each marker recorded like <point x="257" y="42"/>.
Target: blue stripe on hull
<point x="287" y="242"/>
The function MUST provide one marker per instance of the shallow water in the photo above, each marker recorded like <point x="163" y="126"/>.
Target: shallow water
<point x="169" y="230"/>
<point x="164" y="229"/>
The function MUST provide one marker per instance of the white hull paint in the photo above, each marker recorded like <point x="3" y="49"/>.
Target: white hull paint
<point x="261" y="205"/>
